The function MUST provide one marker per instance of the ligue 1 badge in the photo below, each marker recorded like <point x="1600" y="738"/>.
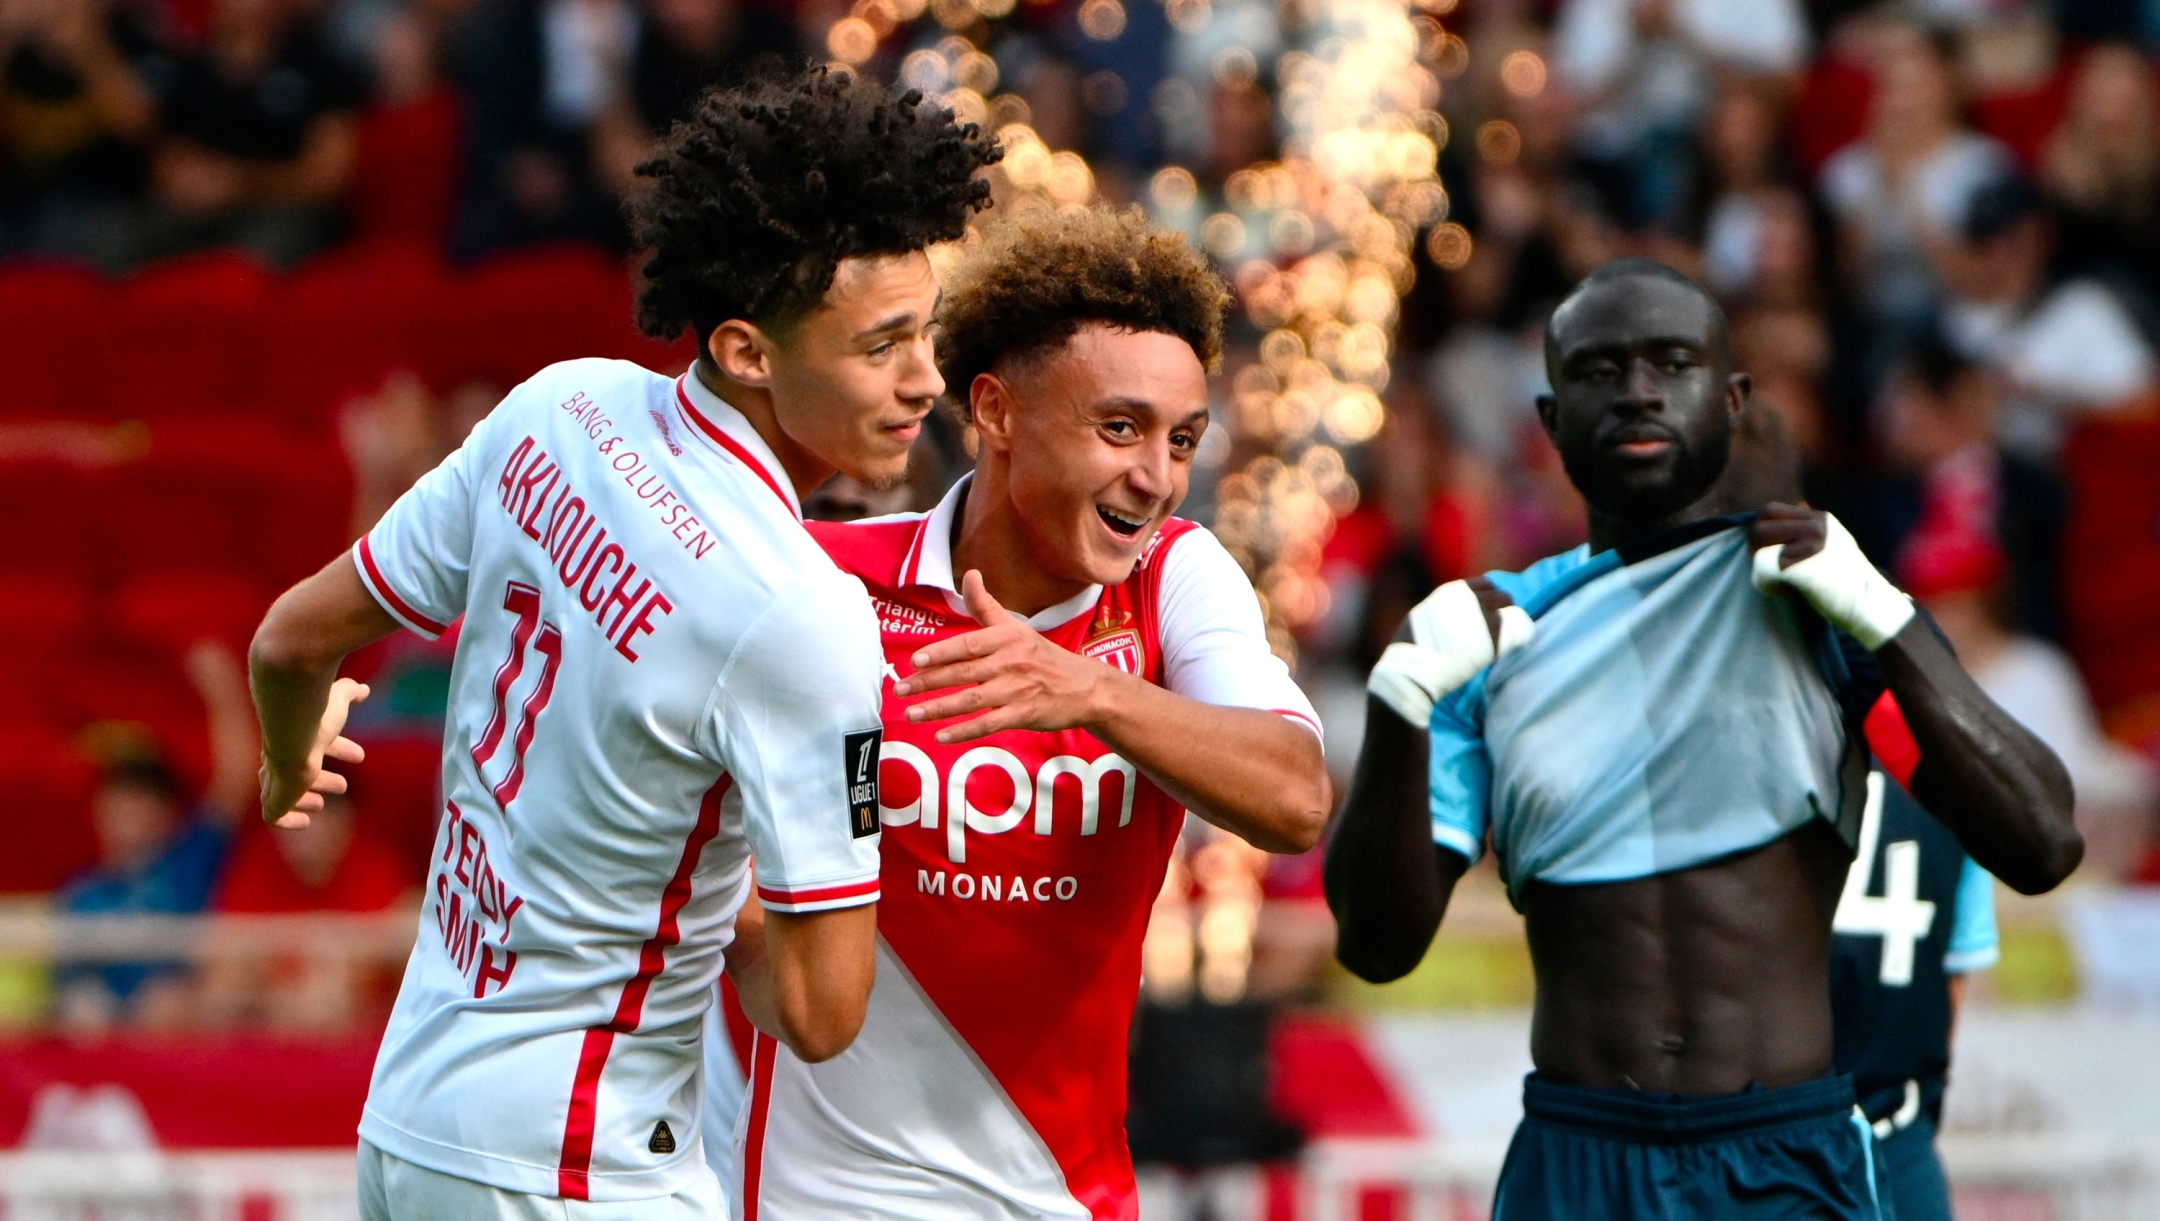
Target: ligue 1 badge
<point x="1112" y="642"/>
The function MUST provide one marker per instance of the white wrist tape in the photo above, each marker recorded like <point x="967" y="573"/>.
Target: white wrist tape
<point x="1842" y="586"/>
<point x="1449" y="644"/>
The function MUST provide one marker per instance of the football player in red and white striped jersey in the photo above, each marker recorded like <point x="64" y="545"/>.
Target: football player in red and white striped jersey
<point x="659" y="674"/>
<point x="1129" y="680"/>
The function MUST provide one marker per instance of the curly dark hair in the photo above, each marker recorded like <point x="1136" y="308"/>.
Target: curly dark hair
<point x="1039" y="277"/>
<point x="764" y="188"/>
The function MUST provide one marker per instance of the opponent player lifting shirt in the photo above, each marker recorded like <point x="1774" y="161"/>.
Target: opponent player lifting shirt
<point x="1670" y="766"/>
<point x="659" y="674"/>
<point x="1129" y="680"/>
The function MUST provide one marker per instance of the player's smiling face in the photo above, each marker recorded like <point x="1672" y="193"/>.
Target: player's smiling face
<point x="1643" y="400"/>
<point x="852" y="381"/>
<point x="1099" y="438"/>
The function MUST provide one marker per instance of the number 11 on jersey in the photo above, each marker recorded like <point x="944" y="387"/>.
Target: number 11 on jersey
<point x="523" y="601"/>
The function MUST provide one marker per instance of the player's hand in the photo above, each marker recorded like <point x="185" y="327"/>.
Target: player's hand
<point x="290" y="795"/>
<point x="1459" y="629"/>
<point x="1812" y="553"/>
<point x="1019" y="680"/>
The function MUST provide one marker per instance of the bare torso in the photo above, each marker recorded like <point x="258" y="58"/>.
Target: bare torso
<point x="1699" y="981"/>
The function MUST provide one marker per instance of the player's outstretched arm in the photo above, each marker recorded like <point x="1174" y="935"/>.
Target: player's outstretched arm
<point x="1387" y="880"/>
<point x="300" y="702"/>
<point x="1998" y="788"/>
<point x="1251" y="772"/>
<point x="805" y="979"/>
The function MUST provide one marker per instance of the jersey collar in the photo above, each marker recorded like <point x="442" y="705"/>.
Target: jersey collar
<point x="929" y="563"/>
<point x="712" y="418"/>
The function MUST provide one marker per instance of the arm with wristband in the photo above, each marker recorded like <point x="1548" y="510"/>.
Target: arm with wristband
<point x="1395" y="856"/>
<point x="1998" y="788"/>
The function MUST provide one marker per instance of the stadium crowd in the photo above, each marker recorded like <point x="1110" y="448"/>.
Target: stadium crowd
<point x="1936" y="228"/>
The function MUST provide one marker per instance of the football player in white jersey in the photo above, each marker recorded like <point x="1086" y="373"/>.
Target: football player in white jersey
<point x="659" y="674"/>
<point x="1130" y="680"/>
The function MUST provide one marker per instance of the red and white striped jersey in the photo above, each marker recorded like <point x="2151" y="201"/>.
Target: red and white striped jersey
<point x="659" y="676"/>
<point x="1019" y="870"/>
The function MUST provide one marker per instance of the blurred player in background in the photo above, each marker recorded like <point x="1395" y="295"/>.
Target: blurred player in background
<point x="659" y="673"/>
<point x="1671" y="766"/>
<point x="1113" y="665"/>
<point x="1915" y="917"/>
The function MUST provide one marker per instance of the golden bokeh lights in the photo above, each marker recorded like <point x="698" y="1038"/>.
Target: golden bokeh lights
<point x="1318" y="245"/>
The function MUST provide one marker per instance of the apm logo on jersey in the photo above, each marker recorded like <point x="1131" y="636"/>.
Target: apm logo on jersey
<point x="1112" y="642"/>
<point x="861" y="760"/>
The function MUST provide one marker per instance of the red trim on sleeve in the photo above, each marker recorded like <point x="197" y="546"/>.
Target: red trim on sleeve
<point x="573" y="1173"/>
<point x="1301" y="719"/>
<point x="771" y="895"/>
<point x="763" y="1049"/>
<point x="1891" y="739"/>
<point x="398" y="606"/>
<point x="731" y="445"/>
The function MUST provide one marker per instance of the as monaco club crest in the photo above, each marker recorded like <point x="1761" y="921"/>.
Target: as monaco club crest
<point x="1112" y="642"/>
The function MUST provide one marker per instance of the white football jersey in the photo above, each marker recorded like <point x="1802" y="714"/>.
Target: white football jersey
<point x="659" y="676"/>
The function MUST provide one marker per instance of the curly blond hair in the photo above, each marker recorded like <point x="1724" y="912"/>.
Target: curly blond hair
<point x="1038" y="277"/>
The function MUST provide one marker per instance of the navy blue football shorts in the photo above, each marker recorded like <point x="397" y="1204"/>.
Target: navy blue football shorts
<point x="1798" y="1151"/>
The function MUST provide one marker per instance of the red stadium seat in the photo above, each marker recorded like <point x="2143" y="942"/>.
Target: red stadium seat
<point x="2111" y="556"/>
<point x="396" y="794"/>
<point x="48" y="518"/>
<point x="168" y="611"/>
<point x="518" y="313"/>
<point x="51" y="320"/>
<point x="405" y="178"/>
<point x="46" y="621"/>
<point x="186" y="336"/>
<point x="154" y="516"/>
<point x="45" y="787"/>
<point x="340" y="324"/>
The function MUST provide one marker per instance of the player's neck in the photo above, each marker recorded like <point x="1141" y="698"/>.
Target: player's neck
<point x="805" y="470"/>
<point x="1609" y="530"/>
<point x="991" y="540"/>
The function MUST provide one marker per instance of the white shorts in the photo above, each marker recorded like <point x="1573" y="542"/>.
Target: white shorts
<point x="393" y="1189"/>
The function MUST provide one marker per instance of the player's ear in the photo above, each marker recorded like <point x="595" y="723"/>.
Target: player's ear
<point x="1548" y="413"/>
<point x="1738" y="387"/>
<point x="990" y="404"/>
<point x="741" y="352"/>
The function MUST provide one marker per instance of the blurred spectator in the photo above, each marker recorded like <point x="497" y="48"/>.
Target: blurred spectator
<point x="566" y="96"/>
<point x="157" y="857"/>
<point x="1956" y="576"/>
<point x="406" y="161"/>
<point x="1486" y="375"/>
<point x="1642" y="71"/>
<point x="682" y="47"/>
<point x="323" y="867"/>
<point x="1754" y="229"/>
<point x="538" y="76"/>
<point x="1907" y="184"/>
<point x="400" y="432"/>
<point x="2063" y="347"/>
<point x="2102" y="167"/>
<point x="1939" y="425"/>
<point x="73" y="118"/>
<point x="1787" y="353"/>
<point x="255" y="142"/>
